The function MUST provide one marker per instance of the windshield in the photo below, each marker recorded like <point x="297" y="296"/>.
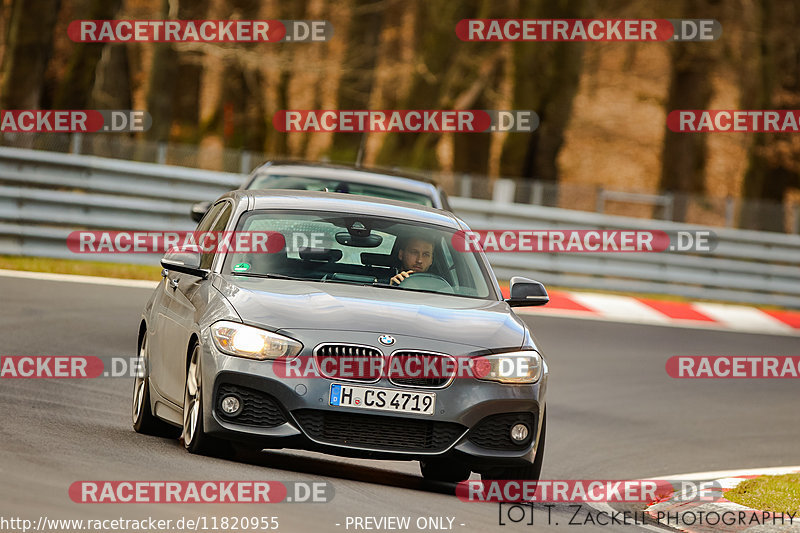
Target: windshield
<point x="361" y="250"/>
<point x="304" y="183"/>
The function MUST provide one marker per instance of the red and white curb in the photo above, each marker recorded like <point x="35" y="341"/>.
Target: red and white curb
<point x="681" y="513"/>
<point x="585" y="305"/>
<point x="627" y="309"/>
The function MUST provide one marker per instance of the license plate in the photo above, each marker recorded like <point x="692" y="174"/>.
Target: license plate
<point x="395" y="400"/>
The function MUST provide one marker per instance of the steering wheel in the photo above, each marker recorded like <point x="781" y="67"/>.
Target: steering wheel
<point x="427" y="282"/>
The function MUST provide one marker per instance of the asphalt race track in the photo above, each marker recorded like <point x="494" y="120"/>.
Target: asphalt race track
<point x="613" y="414"/>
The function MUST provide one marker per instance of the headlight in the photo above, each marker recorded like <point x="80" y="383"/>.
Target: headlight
<point x="253" y="343"/>
<point x="524" y="366"/>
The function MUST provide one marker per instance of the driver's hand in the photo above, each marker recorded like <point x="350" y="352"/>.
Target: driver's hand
<point x="400" y="277"/>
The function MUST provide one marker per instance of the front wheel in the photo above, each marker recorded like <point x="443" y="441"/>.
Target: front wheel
<point x="144" y="421"/>
<point x="194" y="437"/>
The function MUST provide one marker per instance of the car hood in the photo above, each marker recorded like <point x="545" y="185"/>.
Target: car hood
<point x="283" y="304"/>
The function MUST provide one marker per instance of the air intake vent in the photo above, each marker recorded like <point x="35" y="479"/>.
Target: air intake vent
<point x="258" y="408"/>
<point x="422" y="369"/>
<point x="378" y="432"/>
<point x="349" y="362"/>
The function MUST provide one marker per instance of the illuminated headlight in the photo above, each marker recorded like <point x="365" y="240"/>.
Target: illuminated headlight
<point x="514" y="367"/>
<point x="246" y="341"/>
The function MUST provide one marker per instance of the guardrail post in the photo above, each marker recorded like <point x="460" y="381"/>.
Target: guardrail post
<point x="75" y="143"/>
<point x="538" y="192"/>
<point x="161" y="153"/>
<point x="504" y="191"/>
<point x="730" y="211"/>
<point x="244" y="164"/>
<point x="600" y="200"/>
<point x="669" y="205"/>
<point x="466" y="186"/>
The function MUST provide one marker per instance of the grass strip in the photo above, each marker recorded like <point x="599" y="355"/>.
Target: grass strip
<point x="777" y="494"/>
<point x="81" y="268"/>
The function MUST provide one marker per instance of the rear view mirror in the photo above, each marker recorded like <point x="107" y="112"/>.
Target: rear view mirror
<point x="199" y="210"/>
<point x="185" y="259"/>
<point x="526" y="292"/>
<point x="329" y="255"/>
<point x="368" y="241"/>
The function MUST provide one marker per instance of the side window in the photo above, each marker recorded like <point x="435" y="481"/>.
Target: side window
<point x="208" y="218"/>
<point x="448" y="263"/>
<point x="219" y="225"/>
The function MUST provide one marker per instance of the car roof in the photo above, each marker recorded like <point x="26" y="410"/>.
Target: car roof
<point x="386" y="178"/>
<point x="343" y="203"/>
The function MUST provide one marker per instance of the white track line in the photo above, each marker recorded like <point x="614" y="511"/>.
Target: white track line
<point x="703" y="476"/>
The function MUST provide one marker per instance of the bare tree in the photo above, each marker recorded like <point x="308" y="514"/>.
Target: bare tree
<point x="3" y="29"/>
<point x="327" y="87"/>
<point x="461" y="78"/>
<point x="548" y="74"/>
<point x="29" y="43"/>
<point x="358" y="62"/>
<point x="684" y="155"/>
<point x="188" y="79"/>
<point x="163" y="69"/>
<point x="112" y="87"/>
<point x="394" y="68"/>
<point x="75" y="87"/>
<point x="773" y="165"/>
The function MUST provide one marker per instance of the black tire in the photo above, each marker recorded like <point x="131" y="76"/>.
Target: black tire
<point x="531" y="472"/>
<point x="447" y="471"/>
<point x="144" y="421"/>
<point x="193" y="435"/>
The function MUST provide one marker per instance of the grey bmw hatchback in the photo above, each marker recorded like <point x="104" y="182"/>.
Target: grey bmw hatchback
<point x="360" y="327"/>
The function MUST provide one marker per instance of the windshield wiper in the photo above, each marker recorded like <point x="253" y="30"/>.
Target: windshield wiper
<point x="360" y="283"/>
<point x="427" y="291"/>
<point x="267" y="276"/>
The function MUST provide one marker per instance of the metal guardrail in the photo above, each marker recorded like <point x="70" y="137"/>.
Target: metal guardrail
<point x="44" y="196"/>
<point x="665" y="201"/>
<point x="726" y="212"/>
<point x="745" y="266"/>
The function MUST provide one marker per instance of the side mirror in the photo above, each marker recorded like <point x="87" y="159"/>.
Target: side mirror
<point x="185" y="260"/>
<point x="199" y="210"/>
<point x="526" y="292"/>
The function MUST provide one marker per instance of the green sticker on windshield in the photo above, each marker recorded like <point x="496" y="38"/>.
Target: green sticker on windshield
<point x="241" y="267"/>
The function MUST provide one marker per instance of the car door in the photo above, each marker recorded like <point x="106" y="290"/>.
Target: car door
<point x="173" y="312"/>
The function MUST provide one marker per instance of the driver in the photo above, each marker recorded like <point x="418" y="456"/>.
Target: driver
<point x="416" y="255"/>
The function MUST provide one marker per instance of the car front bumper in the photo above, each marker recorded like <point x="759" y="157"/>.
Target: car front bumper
<point x="470" y="423"/>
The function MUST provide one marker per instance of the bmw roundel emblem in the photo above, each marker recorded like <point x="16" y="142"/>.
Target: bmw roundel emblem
<point x="386" y="340"/>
